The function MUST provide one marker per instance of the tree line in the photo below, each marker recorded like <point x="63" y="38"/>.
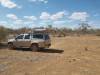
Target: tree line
<point x="83" y="29"/>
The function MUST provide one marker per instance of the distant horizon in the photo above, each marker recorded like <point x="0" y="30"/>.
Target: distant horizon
<point x="47" y="27"/>
<point x="41" y="13"/>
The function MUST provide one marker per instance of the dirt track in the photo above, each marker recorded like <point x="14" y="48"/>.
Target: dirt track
<point x="67" y="56"/>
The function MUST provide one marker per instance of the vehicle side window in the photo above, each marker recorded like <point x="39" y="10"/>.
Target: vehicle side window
<point x="20" y="37"/>
<point x="27" y="36"/>
<point x="38" y="36"/>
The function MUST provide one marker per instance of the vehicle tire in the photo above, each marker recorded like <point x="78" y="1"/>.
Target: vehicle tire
<point x="34" y="47"/>
<point x="10" y="46"/>
<point x="42" y="48"/>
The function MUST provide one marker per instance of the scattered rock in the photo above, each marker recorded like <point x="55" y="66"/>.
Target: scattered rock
<point x="86" y="49"/>
<point x="74" y="59"/>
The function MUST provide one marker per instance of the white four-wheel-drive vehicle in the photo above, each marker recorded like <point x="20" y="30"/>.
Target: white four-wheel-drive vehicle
<point x="34" y="41"/>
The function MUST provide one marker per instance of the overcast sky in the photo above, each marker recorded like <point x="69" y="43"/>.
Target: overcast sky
<point x="59" y="13"/>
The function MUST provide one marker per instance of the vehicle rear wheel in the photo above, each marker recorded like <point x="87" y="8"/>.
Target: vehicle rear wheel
<point x="34" y="47"/>
<point x="10" y="46"/>
<point x="42" y="48"/>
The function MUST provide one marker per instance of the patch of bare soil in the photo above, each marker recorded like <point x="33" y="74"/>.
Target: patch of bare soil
<point x="67" y="56"/>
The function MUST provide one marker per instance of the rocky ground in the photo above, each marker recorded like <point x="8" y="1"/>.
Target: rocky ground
<point x="67" y="56"/>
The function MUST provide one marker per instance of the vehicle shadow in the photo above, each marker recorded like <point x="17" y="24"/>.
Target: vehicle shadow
<point x="50" y="50"/>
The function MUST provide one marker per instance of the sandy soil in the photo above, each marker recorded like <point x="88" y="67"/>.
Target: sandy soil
<point x="67" y="56"/>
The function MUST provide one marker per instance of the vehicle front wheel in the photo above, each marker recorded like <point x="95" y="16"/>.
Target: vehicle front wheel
<point x="34" y="47"/>
<point x="10" y="46"/>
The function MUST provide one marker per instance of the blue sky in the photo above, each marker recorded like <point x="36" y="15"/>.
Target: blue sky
<point x="59" y="13"/>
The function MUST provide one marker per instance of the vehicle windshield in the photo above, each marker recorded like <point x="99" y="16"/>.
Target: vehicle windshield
<point x="20" y="37"/>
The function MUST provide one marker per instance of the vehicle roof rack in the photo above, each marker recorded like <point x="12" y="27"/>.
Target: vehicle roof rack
<point x="40" y="30"/>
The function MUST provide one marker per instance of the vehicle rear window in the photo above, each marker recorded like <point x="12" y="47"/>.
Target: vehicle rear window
<point x="38" y="36"/>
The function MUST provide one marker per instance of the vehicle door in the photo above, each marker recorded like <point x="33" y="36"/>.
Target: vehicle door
<point x="18" y="40"/>
<point x="27" y="40"/>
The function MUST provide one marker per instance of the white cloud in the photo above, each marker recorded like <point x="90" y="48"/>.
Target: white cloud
<point x="12" y="16"/>
<point x="23" y="22"/>
<point x="59" y="22"/>
<point x="58" y="15"/>
<point x="30" y="17"/>
<point x="81" y="16"/>
<point x="18" y="22"/>
<point x="45" y="16"/>
<point x="28" y="22"/>
<point x="94" y="23"/>
<point x="3" y="22"/>
<point x="43" y="1"/>
<point x="8" y="3"/>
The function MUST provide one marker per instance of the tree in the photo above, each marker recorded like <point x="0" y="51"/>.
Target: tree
<point x="50" y="26"/>
<point x="84" y="27"/>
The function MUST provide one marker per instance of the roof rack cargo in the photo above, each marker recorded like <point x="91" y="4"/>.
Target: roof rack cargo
<point x="40" y="30"/>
